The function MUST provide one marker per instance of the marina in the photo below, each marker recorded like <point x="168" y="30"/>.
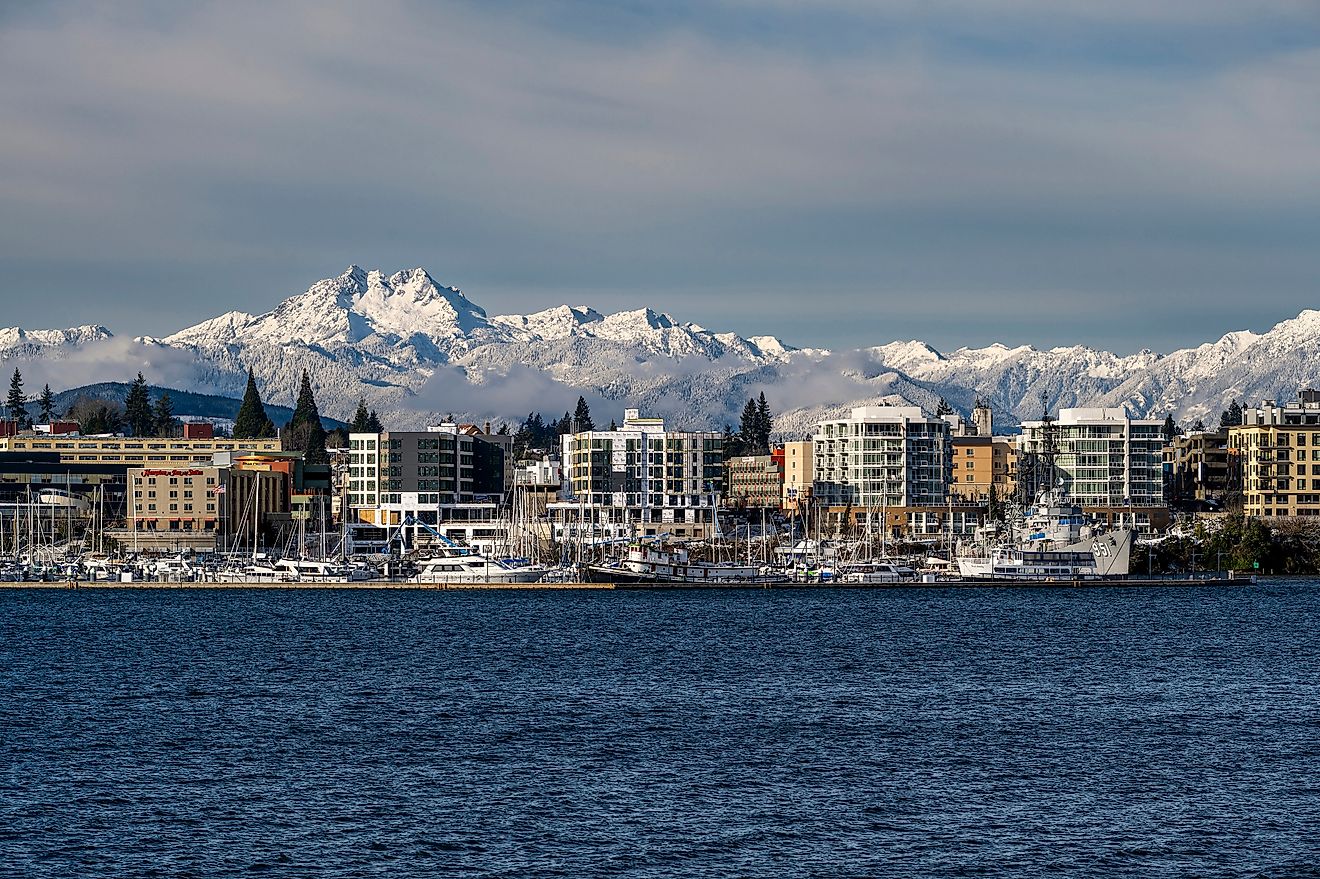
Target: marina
<point x="1199" y="580"/>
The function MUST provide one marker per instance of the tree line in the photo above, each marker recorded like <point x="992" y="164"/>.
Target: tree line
<point x="537" y="434"/>
<point x="304" y="431"/>
<point x="137" y="414"/>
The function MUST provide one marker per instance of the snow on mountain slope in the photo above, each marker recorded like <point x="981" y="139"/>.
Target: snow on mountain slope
<point x="417" y="350"/>
<point x="351" y="309"/>
<point x="18" y="342"/>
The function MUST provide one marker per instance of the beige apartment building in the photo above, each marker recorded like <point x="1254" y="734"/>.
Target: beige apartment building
<point x="133" y="451"/>
<point x="978" y="463"/>
<point x="1277" y="448"/>
<point x="797" y="474"/>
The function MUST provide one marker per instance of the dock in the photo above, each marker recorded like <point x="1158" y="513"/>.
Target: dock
<point x="1130" y="583"/>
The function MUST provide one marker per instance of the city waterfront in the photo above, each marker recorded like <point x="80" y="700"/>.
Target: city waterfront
<point x="903" y="732"/>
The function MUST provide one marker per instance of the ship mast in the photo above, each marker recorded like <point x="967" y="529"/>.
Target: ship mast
<point x="1049" y="450"/>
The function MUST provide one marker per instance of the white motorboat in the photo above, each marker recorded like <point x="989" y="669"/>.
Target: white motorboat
<point x="256" y="572"/>
<point x="459" y="567"/>
<point x="322" y="571"/>
<point x="876" y="571"/>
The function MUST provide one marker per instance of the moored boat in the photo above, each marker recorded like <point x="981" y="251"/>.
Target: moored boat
<point x="460" y="567"/>
<point x="673" y="565"/>
<point x="1054" y="541"/>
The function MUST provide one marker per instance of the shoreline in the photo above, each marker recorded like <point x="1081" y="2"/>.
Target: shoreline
<point x="1135" y="583"/>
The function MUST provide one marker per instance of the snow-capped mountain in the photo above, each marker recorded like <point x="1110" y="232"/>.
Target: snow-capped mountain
<point x="16" y="342"/>
<point x="418" y="350"/>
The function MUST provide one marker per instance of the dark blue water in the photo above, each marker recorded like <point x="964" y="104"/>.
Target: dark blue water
<point x="1153" y="732"/>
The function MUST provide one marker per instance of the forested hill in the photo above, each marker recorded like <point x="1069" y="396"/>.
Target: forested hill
<point x="185" y="402"/>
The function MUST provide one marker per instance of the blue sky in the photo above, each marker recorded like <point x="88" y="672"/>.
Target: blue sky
<point x="839" y="173"/>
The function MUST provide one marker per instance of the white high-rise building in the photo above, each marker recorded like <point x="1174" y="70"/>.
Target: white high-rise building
<point x="640" y="479"/>
<point x="1102" y="457"/>
<point x="894" y="456"/>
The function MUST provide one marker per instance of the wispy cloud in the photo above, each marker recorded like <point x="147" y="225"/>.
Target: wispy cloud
<point x="172" y="162"/>
<point x="115" y="359"/>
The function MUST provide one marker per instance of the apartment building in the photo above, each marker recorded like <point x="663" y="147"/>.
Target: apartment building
<point x="880" y="456"/>
<point x="1197" y="468"/>
<point x="1109" y="463"/>
<point x="641" y="479"/>
<point x="444" y="479"/>
<point x="797" y="475"/>
<point x="756" y="480"/>
<point x="1277" y="448"/>
<point x="980" y="462"/>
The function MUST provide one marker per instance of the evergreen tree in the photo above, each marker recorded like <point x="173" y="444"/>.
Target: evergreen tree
<point x="546" y="433"/>
<point x="731" y="444"/>
<point x="1199" y="425"/>
<point x="582" y="416"/>
<point x="361" y="418"/>
<point x="268" y="430"/>
<point x="749" y="428"/>
<point x="565" y="424"/>
<point x="305" y="409"/>
<point x="304" y="432"/>
<point x="522" y="438"/>
<point x="47" y="404"/>
<point x="165" y="416"/>
<point x="373" y="423"/>
<point x="1169" y="429"/>
<point x="96" y="422"/>
<point x="943" y="408"/>
<point x="1232" y="416"/>
<point x="16" y="401"/>
<point x="764" y="424"/>
<point x="137" y="408"/>
<point x="252" y="421"/>
<point x="504" y="429"/>
<point x="314" y="450"/>
<point x="613" y="425"/>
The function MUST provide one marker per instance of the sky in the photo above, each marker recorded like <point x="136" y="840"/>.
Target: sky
<point x="838" y="173"/>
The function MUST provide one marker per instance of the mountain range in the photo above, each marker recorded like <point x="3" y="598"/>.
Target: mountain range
<point x="419" y="351"/>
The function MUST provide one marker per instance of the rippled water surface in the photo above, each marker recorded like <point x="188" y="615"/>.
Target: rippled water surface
<point x="1155" y="732"/>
